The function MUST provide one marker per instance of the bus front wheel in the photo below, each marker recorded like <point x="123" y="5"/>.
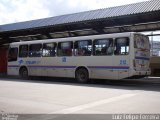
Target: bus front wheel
<point x="24" y="73"/>
<point x="82" y="75"/>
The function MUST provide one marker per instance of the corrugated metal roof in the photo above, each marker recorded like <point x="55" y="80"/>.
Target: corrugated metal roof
<point x="131" y="9"/>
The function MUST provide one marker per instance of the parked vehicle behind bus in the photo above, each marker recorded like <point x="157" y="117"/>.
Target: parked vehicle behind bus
<point x="109" y="56"/>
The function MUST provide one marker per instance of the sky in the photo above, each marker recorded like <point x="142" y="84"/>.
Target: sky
<point x="12" y="11"/>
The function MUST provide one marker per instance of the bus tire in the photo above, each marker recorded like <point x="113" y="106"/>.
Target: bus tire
<point x="23" y="73"/>
<point x="82" y="75"/>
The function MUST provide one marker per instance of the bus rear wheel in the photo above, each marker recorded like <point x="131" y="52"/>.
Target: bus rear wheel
<point x="82" y="75"/>
<point x="23" y="73"/>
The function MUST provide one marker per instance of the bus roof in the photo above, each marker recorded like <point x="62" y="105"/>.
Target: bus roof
<point x="75" y="38"/>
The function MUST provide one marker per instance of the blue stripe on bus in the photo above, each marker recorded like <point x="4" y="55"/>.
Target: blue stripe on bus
<point x="52" y="66"/>
<point x="91" y="67"/>
<point x="142" y="58"/>
<point x="13" y="66"/>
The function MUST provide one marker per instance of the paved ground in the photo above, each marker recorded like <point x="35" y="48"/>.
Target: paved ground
<point x="64" y="96"/>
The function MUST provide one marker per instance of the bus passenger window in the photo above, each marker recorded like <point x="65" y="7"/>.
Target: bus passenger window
<point x="12" y="55"/>
<point x="49" y="49"/>
<point x="23" y="51"/>
<point x="121" y="46"/>
<point x="65" y="48"/>
<point x="35" y="50"/>
<point x="103" y="47"/>
<point x="83" y="48"/>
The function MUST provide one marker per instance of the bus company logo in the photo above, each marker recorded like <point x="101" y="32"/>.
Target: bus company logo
<point x="20" y="62"/>
<point x="32" y="62"/>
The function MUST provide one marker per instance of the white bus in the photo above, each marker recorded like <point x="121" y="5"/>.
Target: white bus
<point x="109" y="56"/>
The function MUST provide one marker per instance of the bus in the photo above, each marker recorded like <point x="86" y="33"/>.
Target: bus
<point x="108" y="56"/>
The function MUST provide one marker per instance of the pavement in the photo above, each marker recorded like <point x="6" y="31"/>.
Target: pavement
<point x="63" y="96"/>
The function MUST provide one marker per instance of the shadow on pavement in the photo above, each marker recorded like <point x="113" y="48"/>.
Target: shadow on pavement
<point x="147" y="84"/>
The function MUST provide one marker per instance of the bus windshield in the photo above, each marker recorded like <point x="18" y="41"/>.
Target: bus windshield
<point x="141" y="42"/>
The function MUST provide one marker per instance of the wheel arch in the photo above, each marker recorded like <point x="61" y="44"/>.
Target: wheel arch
<point x="82" y="67"/>
<point x="23" y="66"/>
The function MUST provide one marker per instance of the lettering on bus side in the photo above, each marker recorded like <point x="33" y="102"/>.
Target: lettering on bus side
<point x="32" y="62"/>
<point x="140" y="53"/>
<point x="28" y="62"/>
<point x="123" y="62"/>
<point x="20" y="62"/>
<point x="64" y="59"/>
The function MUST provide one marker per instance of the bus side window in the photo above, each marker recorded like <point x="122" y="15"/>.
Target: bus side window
<point x="121" y="46"/>
<point x="83" y="48"/>
<point x="23" y="51"/>
<point x="12" y="55"/>
<point x="35" y="50"/>
<point x="65" y="48"/>
<point x="49" y="49"/>
<point x="103" y="46"/>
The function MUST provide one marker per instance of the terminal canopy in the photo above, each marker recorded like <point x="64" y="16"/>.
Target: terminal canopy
<point x="137" y="17"/>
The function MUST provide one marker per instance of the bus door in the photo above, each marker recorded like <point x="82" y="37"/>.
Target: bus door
<point x="49" y="66"/>
<point x="102" y="61"/>
<point x="64" y="61"/>
<point x="49" y="59"/>
<point x="121" y="57"/>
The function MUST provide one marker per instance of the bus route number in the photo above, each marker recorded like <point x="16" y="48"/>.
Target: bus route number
<point x="64" y="59"/>
<point x="123" y="62"/>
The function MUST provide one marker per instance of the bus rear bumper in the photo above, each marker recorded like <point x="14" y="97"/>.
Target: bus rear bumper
<point x="142" y="73"/>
